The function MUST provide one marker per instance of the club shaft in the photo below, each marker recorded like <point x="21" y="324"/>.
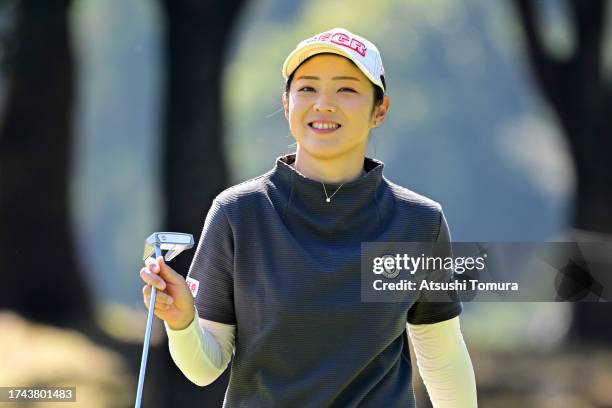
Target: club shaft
<point x="147" y="340"/>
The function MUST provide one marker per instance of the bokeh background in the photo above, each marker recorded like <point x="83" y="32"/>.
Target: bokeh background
<point x="120" y="118"/>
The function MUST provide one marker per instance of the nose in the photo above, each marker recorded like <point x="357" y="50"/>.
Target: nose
<point x="324" y="105"/>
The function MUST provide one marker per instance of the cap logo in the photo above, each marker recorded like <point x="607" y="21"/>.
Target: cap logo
<point x="343" y="40"/>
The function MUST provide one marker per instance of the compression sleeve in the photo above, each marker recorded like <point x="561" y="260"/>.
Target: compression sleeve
<point x="202" y="351"/>
<point x="444" y="363"/>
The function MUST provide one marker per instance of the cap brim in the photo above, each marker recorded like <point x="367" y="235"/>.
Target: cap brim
<point x="300" y="55"/>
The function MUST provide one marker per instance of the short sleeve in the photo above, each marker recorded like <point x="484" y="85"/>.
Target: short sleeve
<point x="211" y="274"/>
<point x="435" y="306"/>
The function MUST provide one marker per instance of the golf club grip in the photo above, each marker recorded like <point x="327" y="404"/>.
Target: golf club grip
<point x="147" y="339"/>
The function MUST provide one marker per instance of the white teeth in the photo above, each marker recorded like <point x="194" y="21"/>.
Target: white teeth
<point x="318" y="125"/>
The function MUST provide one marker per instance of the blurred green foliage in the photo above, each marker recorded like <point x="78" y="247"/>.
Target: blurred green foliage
<point x="460" y="102"/>
<point x="466" y="128"/>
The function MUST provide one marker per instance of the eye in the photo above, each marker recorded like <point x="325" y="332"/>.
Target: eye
<point x="306" y="89"/>
<point x="348" y="89"/>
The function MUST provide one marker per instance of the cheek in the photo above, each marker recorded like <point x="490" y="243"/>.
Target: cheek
<point x="293" y="119"/>
<point x="362" y="117"/>
<point x="360" y="108"/>
<point x="297" y="108"/>
<point x="297" y="102"/>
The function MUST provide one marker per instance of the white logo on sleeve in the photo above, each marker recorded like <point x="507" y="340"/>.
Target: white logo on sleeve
<point x="193" y="285"/>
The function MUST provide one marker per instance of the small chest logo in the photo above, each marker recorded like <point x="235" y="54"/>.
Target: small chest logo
<point x="193" y="285"/>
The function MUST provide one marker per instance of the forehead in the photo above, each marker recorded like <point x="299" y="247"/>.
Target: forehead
<point x="329" y="65"/>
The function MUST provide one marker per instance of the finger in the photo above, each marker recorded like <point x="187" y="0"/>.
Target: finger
<point x="167" y="273"/>
<point x="162" y="301"/>
<point x="164" y="298"/>
<point x="152" y="279"/>
<point x="152" y="265"/>
<point x="161" y="306"/>
<point x="146" y="295"/>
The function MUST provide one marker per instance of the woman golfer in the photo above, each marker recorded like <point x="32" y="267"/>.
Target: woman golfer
<point x="275" y="282"/>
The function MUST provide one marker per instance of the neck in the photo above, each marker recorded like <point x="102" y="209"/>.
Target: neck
<point x="331" y="171"/>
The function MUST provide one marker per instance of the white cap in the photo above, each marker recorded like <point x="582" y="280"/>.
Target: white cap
<point x="342" y="42"/>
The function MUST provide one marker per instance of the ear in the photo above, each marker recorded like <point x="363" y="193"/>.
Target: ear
<point x="380" y="114"/>
<point x="285" y="102"/>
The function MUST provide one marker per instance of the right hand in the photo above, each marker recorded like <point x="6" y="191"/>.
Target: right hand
<point x="173" y="302"/>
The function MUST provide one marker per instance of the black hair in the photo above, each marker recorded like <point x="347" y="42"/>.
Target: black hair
<point x="379" y="95"/>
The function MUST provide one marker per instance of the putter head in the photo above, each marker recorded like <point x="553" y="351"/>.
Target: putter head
<point x="173" y="242"/>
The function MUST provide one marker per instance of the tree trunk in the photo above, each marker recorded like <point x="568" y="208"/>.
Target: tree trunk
<point x="41" y="273"/>
<point x="581" y="97"/>
<point x="194" y="169"/>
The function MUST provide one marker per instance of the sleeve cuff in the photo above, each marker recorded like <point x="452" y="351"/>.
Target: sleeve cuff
<point x="194" y="325"/>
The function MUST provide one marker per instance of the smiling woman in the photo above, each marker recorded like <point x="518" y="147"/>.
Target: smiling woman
<point x="276" y="275"/>
<point x="330" y="108"/>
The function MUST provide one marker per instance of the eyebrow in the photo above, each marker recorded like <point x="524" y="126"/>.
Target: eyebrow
<point x="334" y="78"/>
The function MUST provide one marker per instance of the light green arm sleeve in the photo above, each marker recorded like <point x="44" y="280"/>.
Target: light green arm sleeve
<point x="202" y="350"/>
<point x="444" y="363"/>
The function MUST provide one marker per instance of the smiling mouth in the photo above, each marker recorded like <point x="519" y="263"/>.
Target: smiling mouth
<point x="324" y="126"/>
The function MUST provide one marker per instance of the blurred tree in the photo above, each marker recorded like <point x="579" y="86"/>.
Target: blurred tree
<point x="40" y="270"/>
<point x="194" y="168"/>
<point x="581" y="96"/>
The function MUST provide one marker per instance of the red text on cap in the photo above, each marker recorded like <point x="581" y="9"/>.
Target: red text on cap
<point x="343" y="40"/>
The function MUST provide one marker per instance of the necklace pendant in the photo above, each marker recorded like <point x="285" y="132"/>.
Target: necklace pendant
<point x="328" y="199"/>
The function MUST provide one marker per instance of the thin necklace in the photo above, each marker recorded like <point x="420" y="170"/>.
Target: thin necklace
<point x="328" y="198"/>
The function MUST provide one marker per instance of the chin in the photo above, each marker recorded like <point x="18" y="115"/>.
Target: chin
<point x="329" y="152"/>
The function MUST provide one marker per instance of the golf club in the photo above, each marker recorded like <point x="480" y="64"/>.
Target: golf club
<point x="174" y="243"/>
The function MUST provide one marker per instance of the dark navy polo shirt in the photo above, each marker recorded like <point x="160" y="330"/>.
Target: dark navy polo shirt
<point x="283" y="265"/>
